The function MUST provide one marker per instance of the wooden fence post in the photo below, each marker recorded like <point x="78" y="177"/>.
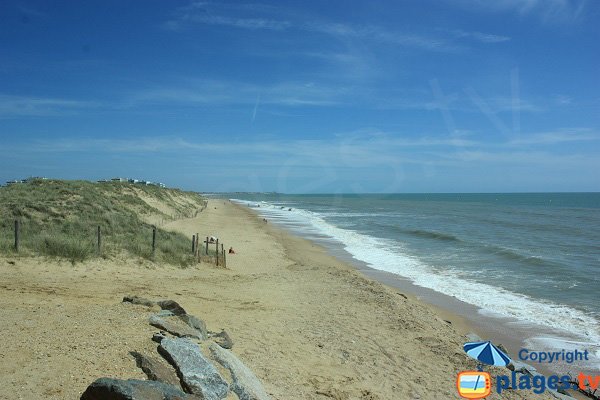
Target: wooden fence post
<point x="153" y="240"/>
<point x="99" y="240"/>
<point x="194" y="244"/>
<point x="223" y="253"/>
<point x="217" y="252"/>
<point x="206" y="246"/>
<point x="17" y="234"/>
<point x="197" y="254"/>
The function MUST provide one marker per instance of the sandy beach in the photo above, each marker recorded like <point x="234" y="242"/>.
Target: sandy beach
<point x="307" y="324"/>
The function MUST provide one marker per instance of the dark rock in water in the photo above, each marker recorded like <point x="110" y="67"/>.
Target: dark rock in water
<point x="156" y="370"/>
<point x="245" y="384"/>
<point x="195" y="323"/>
<point x="132" y="389"/>
<point x="175" y="326"/>
<point x="223" y="340"/>
<point x="139" y="300"/>
<point x="197" y="374"/>
<point x="172" y="306"/>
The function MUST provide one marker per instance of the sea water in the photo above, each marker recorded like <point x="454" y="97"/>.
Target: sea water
<point x="531" y="258"/>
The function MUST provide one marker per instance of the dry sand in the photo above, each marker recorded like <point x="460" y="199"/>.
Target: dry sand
<point x="308" y="325"/>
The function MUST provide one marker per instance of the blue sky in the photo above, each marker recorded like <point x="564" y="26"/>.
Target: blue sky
<point x="304" y="96"/>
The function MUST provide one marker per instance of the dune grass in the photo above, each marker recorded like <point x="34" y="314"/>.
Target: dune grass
<point x="60" y="219"/>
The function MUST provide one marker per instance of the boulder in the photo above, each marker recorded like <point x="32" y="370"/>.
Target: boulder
<point x="245" y="384"/>
<point x="133" y="389"/>
<point x="175" y="326"/>
<point x="156" y="370"/>
<point x="197" y="374"/>
<point x="165" y="313"/>
<point x="223" y="340"/>
<point x="195" y="323"/>
<point x="172" y="306"/>
<point x="139" y="300"/>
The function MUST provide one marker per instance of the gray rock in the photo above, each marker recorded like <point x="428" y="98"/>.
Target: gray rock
<point x="195" y="323"/>
<point x="245" y="384"/>
<point x="175" y="326"/>
<point x="197" y="374"/>
<point x="139" y="300"/>
<point x="165" y="313"/>
<point x="156" y="370"/>
<point x="172" y="306"/>
<point x="223" y="340"/>
<point x="133" y="389"/>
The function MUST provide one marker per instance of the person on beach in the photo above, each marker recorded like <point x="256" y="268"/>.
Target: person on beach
<point x="231" y="251"/>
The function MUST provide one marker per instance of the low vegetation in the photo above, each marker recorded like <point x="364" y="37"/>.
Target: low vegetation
<point x="61" y="218"/>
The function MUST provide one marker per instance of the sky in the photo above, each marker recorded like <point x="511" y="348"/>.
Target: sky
<point x="304" y="96"/>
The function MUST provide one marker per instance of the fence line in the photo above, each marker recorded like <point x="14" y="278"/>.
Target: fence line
<point x="219" y="258"/>
<point x="182" y="215"/>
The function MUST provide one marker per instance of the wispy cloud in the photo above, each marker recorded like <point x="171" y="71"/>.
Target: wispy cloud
<point x="324" y="93"/>
<point x="367" y="143"/>
<point x="547" y="10"/>
<point x="306" y="165"/>
<point x="225" y="92"/>
<point x="199" y="12"/>
<point x="379" y="34"/>
<point x="479" y="36"/>
<point x="225" y="15"/>
<point x="245" y="23"/>
<point x="557" y="137"/>
<point x="563" y="100"/>
<point x="24" y="106"/>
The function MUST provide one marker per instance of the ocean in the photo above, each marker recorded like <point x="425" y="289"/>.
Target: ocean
<point x="532" y="259"/>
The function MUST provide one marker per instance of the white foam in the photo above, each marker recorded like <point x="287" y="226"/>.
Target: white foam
<point x="387" y="255"/>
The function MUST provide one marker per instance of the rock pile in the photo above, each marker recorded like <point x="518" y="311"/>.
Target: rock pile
<point x="184" y="372"/>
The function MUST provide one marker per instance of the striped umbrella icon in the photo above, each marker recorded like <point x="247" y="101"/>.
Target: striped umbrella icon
<point x="487" y="353"/>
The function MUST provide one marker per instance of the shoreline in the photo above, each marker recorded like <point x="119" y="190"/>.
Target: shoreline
<point x="307" y="324"/>
<point x="387" y="279"/>
<point x="468" y="318"/>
